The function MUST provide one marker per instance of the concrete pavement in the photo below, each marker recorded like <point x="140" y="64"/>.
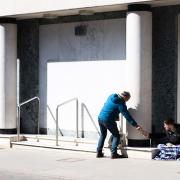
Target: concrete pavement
<point x="37" y="163"/>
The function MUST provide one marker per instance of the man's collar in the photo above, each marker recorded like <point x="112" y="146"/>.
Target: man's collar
<point x="121" y="97"/>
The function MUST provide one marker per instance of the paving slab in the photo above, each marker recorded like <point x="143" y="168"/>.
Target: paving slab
<point x="34" y="163"/>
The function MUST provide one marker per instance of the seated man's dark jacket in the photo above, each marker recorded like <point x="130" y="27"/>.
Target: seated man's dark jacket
<point x="169" y="136"/>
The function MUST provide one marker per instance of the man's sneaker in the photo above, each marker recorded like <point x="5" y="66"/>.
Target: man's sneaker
<point x="117" y="156"/>
<point x="100" y="155"/>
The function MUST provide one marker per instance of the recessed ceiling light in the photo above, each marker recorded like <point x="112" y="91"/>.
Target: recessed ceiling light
<point x="50" y="16"/>
<point x="86" y="12"/>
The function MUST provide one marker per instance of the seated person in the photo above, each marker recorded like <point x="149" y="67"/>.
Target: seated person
<point x="171" y="136"/>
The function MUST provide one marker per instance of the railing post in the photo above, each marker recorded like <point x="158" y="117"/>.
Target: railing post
<point x="82" y="120"/>
<point x="57" y="125"/>
<point x="77" y="120"/>
<point x="38" y="119"/>
<point x="84" y="106"/>
<point x="54" y="118"/>
<point x="18" y="124"/>
<point x="18" y="115"/>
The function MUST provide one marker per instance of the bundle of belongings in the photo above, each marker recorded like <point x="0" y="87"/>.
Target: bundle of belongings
<point x="169" y="141"/>
<point x="167" y="152"/>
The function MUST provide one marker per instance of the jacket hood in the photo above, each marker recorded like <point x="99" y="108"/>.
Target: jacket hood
<point x="115" y="98"/>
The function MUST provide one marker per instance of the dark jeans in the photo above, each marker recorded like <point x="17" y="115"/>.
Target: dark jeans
<point x="112" y="127"/>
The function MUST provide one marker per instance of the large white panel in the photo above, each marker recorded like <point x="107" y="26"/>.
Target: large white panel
<point x="88" y="67"/>
<point x="87" y="80"/>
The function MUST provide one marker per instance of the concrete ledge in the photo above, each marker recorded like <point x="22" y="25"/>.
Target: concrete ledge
<point x="80" y="144"/>
<point x="71" y="147"/>
<point x="130" y="152"/>
<point x="15" y="139"/>
<point x="140" y="153"/>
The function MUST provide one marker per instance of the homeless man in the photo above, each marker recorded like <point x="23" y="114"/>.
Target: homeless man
<point x="170" y="136"/>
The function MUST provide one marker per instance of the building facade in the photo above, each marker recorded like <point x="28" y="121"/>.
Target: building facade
<point x="88" y="50"/>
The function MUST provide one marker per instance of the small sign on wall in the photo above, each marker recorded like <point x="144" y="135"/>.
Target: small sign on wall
<point x="80" y="30"/>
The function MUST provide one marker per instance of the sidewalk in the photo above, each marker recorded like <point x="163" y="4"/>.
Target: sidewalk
<point x="37" y="163"/>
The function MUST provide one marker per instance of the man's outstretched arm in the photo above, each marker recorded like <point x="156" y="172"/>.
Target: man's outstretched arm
<point x="130" y="119"/>
<point x="127" y="115"/>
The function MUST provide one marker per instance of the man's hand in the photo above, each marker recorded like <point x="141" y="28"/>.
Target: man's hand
<point x="142" y="131"/>
<point x="139" y="128"/>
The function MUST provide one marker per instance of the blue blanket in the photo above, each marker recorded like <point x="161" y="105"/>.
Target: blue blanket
<point x="168" y="153"/>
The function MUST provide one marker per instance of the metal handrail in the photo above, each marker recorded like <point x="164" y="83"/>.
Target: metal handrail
<point x="83" y="106"/>
<point x="57" y="117"/>
<point x="18" y="115"/>
<point x="54" y="118"/>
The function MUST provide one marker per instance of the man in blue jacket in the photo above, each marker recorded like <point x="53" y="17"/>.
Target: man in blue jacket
<point x="107" y="118"/>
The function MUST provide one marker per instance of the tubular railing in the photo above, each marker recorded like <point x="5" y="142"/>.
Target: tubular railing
<point x="57" y="117"/>
<point x="49" y="109"/>
<point x="58" y="130"/>
<point x="19" y="111"/>
<point x="84" y="107"/>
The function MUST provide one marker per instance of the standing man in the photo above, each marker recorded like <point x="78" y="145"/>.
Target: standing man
<point x="107" y="118"/>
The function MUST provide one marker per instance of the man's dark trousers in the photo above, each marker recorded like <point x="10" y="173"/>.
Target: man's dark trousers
<point x="112" y="127"/>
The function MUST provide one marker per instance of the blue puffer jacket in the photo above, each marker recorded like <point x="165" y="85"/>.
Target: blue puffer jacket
<point x="114" y="105"/>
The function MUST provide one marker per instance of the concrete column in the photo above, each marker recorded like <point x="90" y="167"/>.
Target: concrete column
<point x="139" y="61"/>
<point x="8" y="70"/>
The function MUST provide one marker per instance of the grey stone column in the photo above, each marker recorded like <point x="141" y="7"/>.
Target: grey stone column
<point x="139" y="60"/>
<point x="28" y="53"/>
<point x="165" y="52"/>
<point x="8" y="75"/>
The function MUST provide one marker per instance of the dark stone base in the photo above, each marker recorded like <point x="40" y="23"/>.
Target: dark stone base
<point x="14" y="131"/>
<point x="8" y="131"/>
<point x="43" y="130"/>
<point x="138" y="143"/>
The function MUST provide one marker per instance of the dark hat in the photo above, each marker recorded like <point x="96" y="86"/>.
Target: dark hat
<point x="126" y="94"/>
